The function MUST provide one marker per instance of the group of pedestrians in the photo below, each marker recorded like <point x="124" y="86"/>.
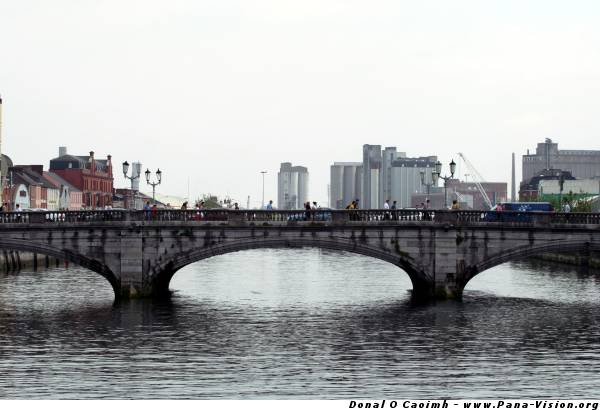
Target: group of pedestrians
<point x="150" y="211"/>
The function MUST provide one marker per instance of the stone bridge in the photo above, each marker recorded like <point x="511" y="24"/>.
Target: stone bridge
<point x="138" y="252"/>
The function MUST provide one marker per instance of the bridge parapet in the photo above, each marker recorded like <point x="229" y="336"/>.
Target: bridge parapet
<point x="333" y="217"/>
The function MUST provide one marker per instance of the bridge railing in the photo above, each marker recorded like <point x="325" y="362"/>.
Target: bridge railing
<point x="319" y="215"/>
<point x="26" y="217"/>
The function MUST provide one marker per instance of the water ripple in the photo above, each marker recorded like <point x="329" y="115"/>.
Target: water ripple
<point x="301" y="324"/>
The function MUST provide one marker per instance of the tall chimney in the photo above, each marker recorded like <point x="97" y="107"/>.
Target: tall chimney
<point x="62" y="151"/>
<point x="513" y="188"/>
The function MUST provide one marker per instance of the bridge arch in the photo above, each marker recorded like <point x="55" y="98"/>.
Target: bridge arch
<point x="526" y="251"/>
<point x="164" y="272"/>
<point x="62" y="254"/>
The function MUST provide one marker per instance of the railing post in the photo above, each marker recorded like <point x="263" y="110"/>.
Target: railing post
<point x="446" y="217"/>
<point x="37" y="217"/>
<point x="128" y="215"/>
<point x="542" y="219"/>
<point x="236" y="217"/>
<point x="340" y="217"/>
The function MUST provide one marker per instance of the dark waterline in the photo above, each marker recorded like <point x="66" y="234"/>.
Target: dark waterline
<point x="301" y="324"/>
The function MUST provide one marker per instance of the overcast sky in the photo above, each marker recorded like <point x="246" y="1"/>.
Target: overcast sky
<point x="216" y="91"/>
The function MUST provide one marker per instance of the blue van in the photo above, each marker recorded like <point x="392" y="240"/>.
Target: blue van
<point x="521" y="207"/>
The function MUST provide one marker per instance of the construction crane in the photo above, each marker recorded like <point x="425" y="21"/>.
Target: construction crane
<point x="476" y="179"/>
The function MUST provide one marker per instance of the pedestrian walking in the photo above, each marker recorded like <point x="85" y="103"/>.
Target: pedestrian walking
<point x="307" y="213"/>
<point x="147" y="210"/>
<point x="426" y="214"/>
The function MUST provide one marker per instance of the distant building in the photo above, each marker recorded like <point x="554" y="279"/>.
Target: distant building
<point x="372" y="166"/>
<point x="31" y="189"/>
<point x="575" y="189"/>
<point x="5" y="180"/>
<point x="2" y="175"/>
<point x="581" y="164"/>
<point x="129" y="199"/>
<point x="123" y="199"/>
<point x="292" y="186"/>
<point x="70" y="197"/>
<point x="345" y="183"/>
<point x="94" y="177"/>
<point x="496" y="192"/>
<point x="406" y="178"/>
<point x="383" y="174"/>
<point x="466" y="193"/>
<point x="529" y="190"/>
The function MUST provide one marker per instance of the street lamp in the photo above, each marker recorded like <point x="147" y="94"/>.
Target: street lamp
<point x="132" y="178"/>
<point x="438" y="174"/>
<point x="263" y="189"/>
<point x="427" y="182"/>
<point x="154" y="184"/>
<point x="561" y="185"/>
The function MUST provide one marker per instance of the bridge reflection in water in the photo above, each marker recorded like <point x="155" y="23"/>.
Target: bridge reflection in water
<point x="138" y="252"/>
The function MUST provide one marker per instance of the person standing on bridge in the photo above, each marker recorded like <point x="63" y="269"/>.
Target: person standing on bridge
<point x="307" y="213"/>
<point x="18" y="212"/>
<point x="270" y="205"/>
<point x="426" y="214"/>
<point x="455" y="205"/>
<point x="386" y="206"/>
<point x="147" y="209"/>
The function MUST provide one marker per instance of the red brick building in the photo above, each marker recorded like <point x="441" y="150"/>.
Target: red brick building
<point x="94" y="177"/>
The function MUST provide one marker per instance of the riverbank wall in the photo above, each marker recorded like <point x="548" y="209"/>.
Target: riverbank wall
<point x="589" y="259"/>
<point x="14" y="261"/>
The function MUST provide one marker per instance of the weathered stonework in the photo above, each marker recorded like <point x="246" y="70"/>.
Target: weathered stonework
<point x="140" y="258"/>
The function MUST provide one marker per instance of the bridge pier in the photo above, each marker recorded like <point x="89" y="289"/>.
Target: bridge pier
<point x="133" y="291"/>
<point x="437" y="291"/>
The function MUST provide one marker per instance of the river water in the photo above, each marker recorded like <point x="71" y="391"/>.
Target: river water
<point x="302" y="324"/>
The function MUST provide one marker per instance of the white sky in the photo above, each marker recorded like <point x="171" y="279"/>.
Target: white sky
<point x="219" y="90"/>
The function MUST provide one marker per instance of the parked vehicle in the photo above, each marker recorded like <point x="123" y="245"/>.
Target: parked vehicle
<point x="516" y="211"/>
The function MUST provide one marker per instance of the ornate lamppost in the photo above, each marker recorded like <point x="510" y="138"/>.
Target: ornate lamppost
<point x="561" y="185"/>
<point x="263" y="189"/>
<point x="132" y="178"/>
<point x="154" y="184"/>
<point x="437" y="174"/>
<point x="426" y="181"/>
